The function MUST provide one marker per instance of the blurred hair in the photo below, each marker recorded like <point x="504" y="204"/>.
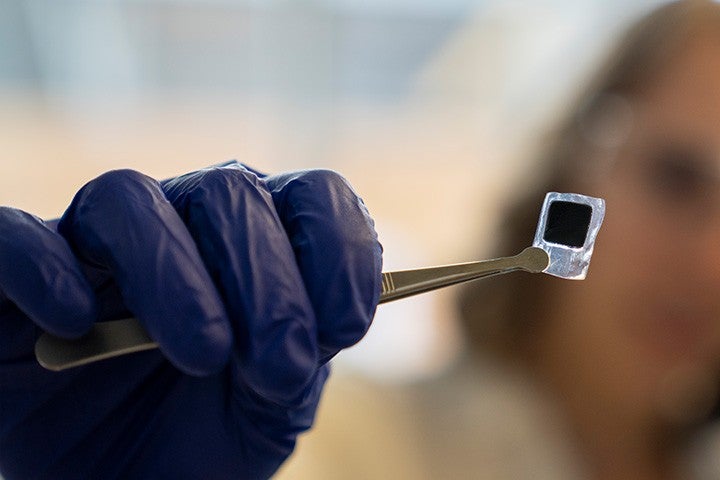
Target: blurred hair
<point x="501" y="314"/>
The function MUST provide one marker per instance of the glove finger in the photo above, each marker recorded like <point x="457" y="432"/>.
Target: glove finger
<point x="231" y="215"/>
<point x="40" y="275"/>
<point x="121" y="221"/>
<point x="337" y="250"/>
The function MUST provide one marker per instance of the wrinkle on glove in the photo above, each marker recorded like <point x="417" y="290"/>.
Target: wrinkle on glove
<point x="40" y="275"/>
<point x="331" y="232"/>
<point x="277" y="340"/>
<point x="123" y="223"/>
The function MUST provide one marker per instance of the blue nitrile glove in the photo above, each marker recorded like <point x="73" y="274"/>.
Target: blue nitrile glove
<point x="248" y="284"/>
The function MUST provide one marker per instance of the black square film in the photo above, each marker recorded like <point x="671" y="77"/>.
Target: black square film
<point x="568" y="223"/>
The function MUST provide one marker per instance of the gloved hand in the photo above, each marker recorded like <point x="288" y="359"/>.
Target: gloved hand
<point x="249" y="285"/>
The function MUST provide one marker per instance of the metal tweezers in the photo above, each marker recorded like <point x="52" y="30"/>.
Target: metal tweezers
<point x="547" y="254"/>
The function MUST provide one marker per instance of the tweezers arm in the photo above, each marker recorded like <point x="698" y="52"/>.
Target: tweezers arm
<point x="405" y="283"/>
<point x="119" y="337"/>
<point x="105" y="340"/>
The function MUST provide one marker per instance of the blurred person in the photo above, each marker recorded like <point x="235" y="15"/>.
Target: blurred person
<point x="631" y="357"/>
<point x="615" y="377"/>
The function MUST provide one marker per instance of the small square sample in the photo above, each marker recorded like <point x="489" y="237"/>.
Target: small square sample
<point x="568" y="223"/>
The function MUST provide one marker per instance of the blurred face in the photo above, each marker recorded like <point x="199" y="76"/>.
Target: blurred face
<point x="642" y="333"/>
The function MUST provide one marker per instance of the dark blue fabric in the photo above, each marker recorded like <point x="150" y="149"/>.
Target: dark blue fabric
<point x="249" y="283"/>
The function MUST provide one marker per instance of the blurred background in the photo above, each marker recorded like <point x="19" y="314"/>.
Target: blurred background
<point x="431" y="108"/>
